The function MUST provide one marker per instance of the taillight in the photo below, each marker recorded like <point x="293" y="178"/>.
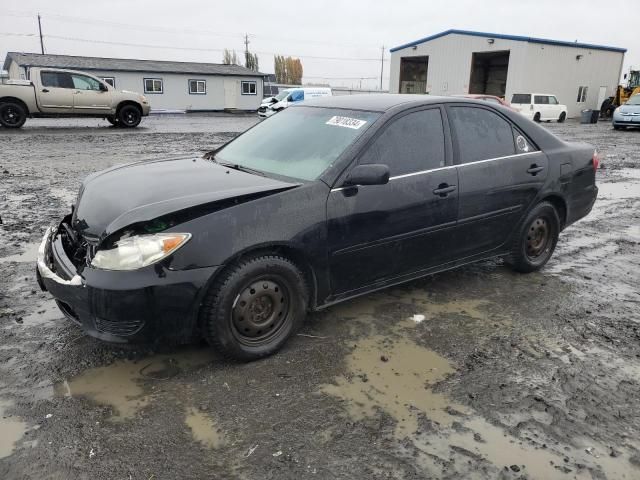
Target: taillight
<point x="596" y="160"/>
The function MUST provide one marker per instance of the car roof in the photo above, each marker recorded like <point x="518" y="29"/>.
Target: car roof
<point x="378" y="102"/>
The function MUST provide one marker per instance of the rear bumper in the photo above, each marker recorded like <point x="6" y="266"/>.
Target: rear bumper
<point x="582" y="204"/>
<point x="148" y="305"/>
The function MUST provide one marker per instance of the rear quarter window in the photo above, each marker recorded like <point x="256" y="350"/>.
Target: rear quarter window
<point x="521" y="98"/>
<point x="481" y="134"/>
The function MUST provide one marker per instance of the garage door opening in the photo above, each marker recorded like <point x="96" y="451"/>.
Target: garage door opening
<point x="489" y="73"/>
<point x="413" y="74"/>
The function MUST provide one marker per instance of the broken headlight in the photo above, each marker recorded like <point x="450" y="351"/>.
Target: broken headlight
<point x="139" y="251"/>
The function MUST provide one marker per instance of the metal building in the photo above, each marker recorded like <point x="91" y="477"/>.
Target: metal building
<point x="169" y="86"/>
<point x="458" y="61"/>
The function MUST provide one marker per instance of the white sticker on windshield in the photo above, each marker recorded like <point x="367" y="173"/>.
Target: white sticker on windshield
<point x="347" y="122"/>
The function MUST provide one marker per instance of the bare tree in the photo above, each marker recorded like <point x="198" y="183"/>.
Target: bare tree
<point x="230" y="57"/>
<point x="288" y="70"/>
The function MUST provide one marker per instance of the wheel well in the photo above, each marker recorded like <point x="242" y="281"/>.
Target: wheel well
<point x="128" y="102"/>
<point x="288" y="252"/>
<point x="15" y="100"/>
<point x="561" y="207"/>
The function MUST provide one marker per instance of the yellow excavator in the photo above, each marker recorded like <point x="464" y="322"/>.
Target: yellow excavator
<point x="623" y="93"/>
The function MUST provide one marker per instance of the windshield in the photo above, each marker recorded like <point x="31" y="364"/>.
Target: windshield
<point x="282" y="95"/>
<point x="635" y="100"/>
<point x="299" y="142"/>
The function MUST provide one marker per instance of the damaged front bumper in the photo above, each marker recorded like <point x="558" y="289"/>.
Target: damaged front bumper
<point x="142" y="306"/>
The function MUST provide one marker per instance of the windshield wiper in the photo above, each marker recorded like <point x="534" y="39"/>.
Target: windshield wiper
<point x="241" y="168"/>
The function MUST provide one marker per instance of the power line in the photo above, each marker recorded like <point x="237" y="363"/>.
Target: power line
<point x="11" y="34"/>
<point x="191" y="31"/>
<point x="108" y="42"/>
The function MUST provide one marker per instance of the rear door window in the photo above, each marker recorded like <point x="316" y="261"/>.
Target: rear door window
<point x="56" y="80"/>
<point x="541" y="100"/>
<point x="481" y="134"/>
<point x="521" y="98"/>
<point x="412" y="143"/>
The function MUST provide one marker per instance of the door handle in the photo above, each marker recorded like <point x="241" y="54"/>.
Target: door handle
<point x="444" y="189"/>
<point x="534" y="169"/>
<point x="45" y="90"/>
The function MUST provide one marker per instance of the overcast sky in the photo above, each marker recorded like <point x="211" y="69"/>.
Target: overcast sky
<point x="348" y="35"/>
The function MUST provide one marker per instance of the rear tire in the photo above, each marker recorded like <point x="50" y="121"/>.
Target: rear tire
<point x="254" y="307"/>
<point x="562" y="117"/>
<point x="12" y="115"/>
<point x="536" y="117"/>
<point x="129" y="116"/>
<point x="535" y="239"/>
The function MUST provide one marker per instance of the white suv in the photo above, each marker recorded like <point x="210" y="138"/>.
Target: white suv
<point x="539" y="106"/>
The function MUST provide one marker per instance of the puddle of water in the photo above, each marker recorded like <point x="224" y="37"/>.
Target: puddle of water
<point x="120" y="384"/>
<point x="12" y="430"/>
<point x="30" y="254"/>
<point x="627" y="188"/>
<point x="398" y="385"/>
<point x="203" y="428"/>
<point x="44" y="314"/>
<point x="393" y="374"/>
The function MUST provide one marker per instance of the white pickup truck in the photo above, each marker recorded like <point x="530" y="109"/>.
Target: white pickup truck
<point x="56" y="93"/>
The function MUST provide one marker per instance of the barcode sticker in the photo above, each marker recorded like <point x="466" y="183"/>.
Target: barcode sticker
<point x="347" y="122"/>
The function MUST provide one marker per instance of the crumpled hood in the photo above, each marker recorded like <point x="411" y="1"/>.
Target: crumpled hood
<point x="123" y="195"/>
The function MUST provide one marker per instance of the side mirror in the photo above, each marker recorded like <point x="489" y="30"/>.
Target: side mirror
<point x="368" y="174"/>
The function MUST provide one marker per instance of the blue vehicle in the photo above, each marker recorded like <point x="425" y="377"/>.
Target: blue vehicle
<point x="628" y="114"/>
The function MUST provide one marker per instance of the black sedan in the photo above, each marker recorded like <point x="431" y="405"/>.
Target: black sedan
<point x="323" y="202"/>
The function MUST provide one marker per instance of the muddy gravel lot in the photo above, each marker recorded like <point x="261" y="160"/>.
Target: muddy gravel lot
<point x="477" y="373"/>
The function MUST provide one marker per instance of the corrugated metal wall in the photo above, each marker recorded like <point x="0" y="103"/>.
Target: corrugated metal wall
<point x="532" y="68"/>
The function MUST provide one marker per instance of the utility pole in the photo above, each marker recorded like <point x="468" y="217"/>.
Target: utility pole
<point x="40" y="30"/>
<point x="381" y="65"/>
<point x="246" y="50"/>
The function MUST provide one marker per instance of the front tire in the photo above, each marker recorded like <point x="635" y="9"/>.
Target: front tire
<point x="129" y="116"/>
<point x="12" y="115"/>
<point x="562" y="117"/>
<point x="536" y="239"/>
<point x="536" y="117"/>
<point x="253" y="309"/>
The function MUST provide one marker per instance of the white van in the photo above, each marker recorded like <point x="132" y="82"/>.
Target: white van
<point x="288" y="96"/>
<point x="539" y="107"/>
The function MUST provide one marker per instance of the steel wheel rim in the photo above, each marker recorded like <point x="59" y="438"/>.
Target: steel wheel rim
<point x="538" y="238"/>
<point x="10" y="115"/>
<point x="260" y="311"/>
<point x="129" y="118"/>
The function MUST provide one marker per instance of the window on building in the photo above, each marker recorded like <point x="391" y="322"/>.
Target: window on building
<point x="153" y="85"/>
<point x="412" y="143"/>
<point x="249" y="88"/>
<point x="197" y="87"/>
<point x="481" y="134"/>
<point x="582" y="94"/>
<point x="110" y="80"/>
